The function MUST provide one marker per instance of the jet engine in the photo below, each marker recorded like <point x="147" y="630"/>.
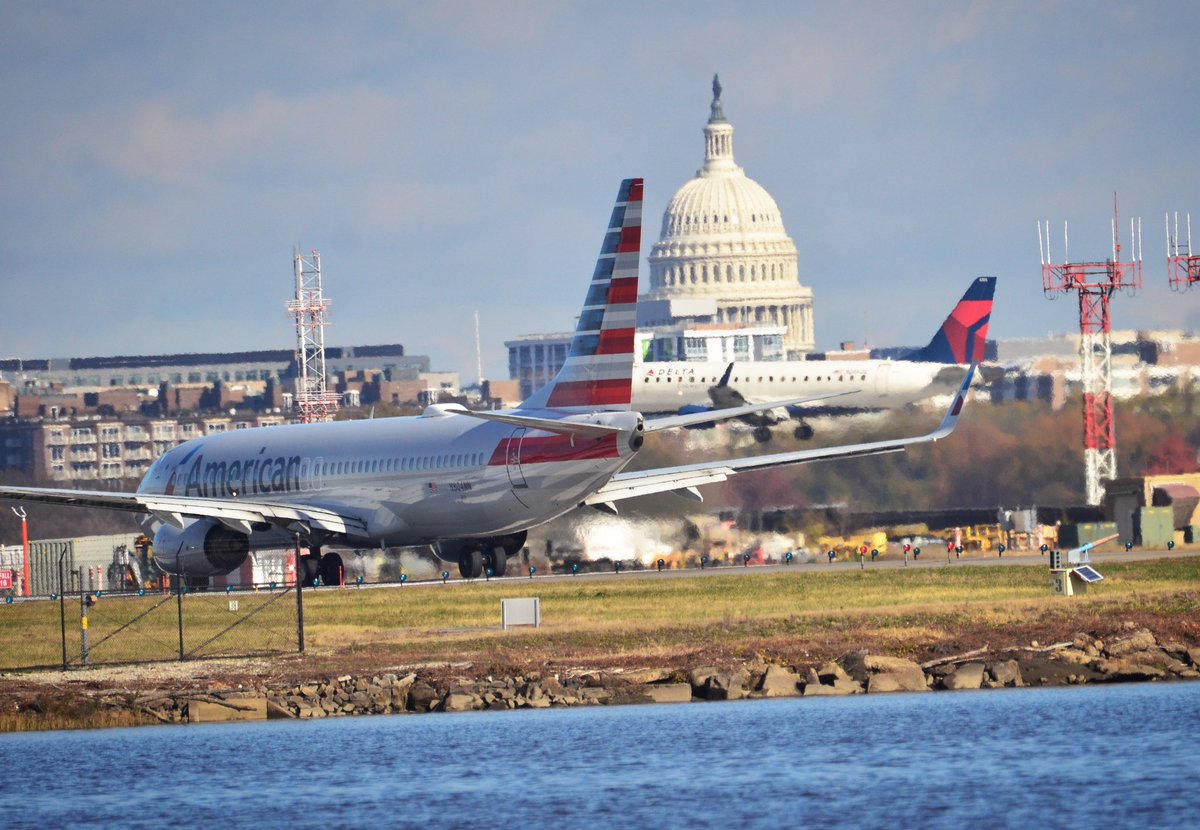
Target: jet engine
<point x="203" y="548"/>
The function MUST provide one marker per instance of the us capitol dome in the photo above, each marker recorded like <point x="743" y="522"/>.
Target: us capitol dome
<point x="723" y="256"/>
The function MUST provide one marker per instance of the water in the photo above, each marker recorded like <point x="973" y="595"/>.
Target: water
<point x="1113" y="756"/>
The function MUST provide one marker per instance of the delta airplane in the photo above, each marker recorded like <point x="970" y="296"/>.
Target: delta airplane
<point x="865" y="385"/>
<point x="469" y="484"/>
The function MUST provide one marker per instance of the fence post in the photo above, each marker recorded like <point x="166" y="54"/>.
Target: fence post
<point x="179" y="611"/>
<point x="299" y="600"/>
<point x="83" y="620"/>
<point x="62" y="607"/>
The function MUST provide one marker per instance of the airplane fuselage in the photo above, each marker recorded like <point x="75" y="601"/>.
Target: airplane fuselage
<point x="871" y="384"/>
<point x="409" y="480"/>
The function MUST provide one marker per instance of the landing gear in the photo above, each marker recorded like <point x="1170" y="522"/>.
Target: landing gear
<point x="330" y="569"/>
<point x="308" y="568"/>
<point x="762" y="434"/>
<point x="804" y="432"/>
<point x="497" y="560"/>
<point x="470" y="564"/>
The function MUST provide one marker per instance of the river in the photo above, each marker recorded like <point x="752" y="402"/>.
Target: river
<point x="1094" y="756"/>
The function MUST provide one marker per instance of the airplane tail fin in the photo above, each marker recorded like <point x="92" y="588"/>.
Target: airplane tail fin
<point x="598" y="372"/>
<point x="963" y="335"/>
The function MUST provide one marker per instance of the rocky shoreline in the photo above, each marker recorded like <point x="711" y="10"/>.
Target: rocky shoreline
<point x="1133" y="655"/>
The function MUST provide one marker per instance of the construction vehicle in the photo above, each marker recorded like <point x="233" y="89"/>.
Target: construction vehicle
<point x="132" y="570"/>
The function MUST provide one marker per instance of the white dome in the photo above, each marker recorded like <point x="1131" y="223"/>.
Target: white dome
<point x="722" y="204"/>
<point x="723" y="238"/>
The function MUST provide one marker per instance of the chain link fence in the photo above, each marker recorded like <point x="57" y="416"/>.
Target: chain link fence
<point x="95" y="627"/>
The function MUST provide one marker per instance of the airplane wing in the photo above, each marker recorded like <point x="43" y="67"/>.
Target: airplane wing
<point x="685" y="478"/>
<point x="237" y="514"/>
<point x="564" y="427"/>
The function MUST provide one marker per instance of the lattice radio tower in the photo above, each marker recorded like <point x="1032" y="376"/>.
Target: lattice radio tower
<point x="1095" y="283"/>
<point x="1183" y="267"/>
<point x="312" y="400"/>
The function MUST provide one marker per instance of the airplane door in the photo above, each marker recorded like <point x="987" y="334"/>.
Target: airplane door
<point x="881" y="378"/>
<point x="513" y="464"/>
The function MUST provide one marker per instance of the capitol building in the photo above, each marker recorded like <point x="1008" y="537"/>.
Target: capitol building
<point x="724" y="277"/>
<point x="723" y="257"/>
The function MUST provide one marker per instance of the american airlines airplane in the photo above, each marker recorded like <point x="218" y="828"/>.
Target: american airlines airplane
<point x="469" y="484"/>
<point x="864" y="385"/>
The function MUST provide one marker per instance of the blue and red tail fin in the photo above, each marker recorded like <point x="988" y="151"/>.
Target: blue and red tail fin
<point x="963" y="335"/>
<point x="598" y="372"/>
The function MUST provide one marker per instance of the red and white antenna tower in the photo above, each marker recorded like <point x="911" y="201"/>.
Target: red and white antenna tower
<point x="1183" y="267"/>
<point x="1094" y="283"/>
<point x="313" y="401"/>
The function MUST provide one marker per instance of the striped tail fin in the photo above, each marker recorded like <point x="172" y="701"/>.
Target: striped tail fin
<point x="598" y="373"/>
<point x="963" y="335"/>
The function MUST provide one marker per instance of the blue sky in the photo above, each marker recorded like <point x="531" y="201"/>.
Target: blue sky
<point x="159" y="161"/>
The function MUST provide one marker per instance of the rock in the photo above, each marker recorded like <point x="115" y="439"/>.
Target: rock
<point x="458" y="702"/>
<point x="1125" y="670"/>
<point x="1140" y="640"/>
<point x="710" y="683"/>
<point x="669" y="692"/>
<point x="1007" y="673"/>
<point x="726" y="686"/>
<point x="847" y="686"/>
<point x="699" y="677"/>
<point x="881" y="673"/>
<point x="779" y="682"/>
<point x="552" y="686"/>
<point x="1194" y="656"/>
<point x="1074" y="655"/>
<point x="966" y="676"/>
<point x="422" y="697"/>
<point x="901" y="681"/>
<point x="648" y="675"/>
<point x="831" y="672"/>
<point x="821" y="690"/>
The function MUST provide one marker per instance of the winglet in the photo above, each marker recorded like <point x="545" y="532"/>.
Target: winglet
<point x="950" y="419"/>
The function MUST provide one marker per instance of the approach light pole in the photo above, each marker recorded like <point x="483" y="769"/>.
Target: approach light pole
<point x="20" y="513"/>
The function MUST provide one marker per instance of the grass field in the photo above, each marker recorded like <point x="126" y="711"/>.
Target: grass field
<point x="624" y="619"/>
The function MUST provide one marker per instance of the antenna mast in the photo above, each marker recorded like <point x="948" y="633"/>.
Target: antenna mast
<point x="1094" y="283"/>
<point x="313" y="401"/>
<point x="1183" y="267"/>
<point x="478" y="355"/>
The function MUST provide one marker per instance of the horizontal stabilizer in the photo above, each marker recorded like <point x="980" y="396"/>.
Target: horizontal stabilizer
<point x="556" y="426"/>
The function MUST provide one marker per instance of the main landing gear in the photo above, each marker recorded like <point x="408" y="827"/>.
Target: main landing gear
<point x="327" y="567"/>
<point x="473" y="563"/>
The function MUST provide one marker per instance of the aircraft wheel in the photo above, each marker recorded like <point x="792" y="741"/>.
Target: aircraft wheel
<point x="762" y="434"/>
<point x="307" y="568"/>
<point x="470" y="564"/>
<point x="498" y="560"/>
<point x="330" y="569"/>
<point x="804" y="432"/>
